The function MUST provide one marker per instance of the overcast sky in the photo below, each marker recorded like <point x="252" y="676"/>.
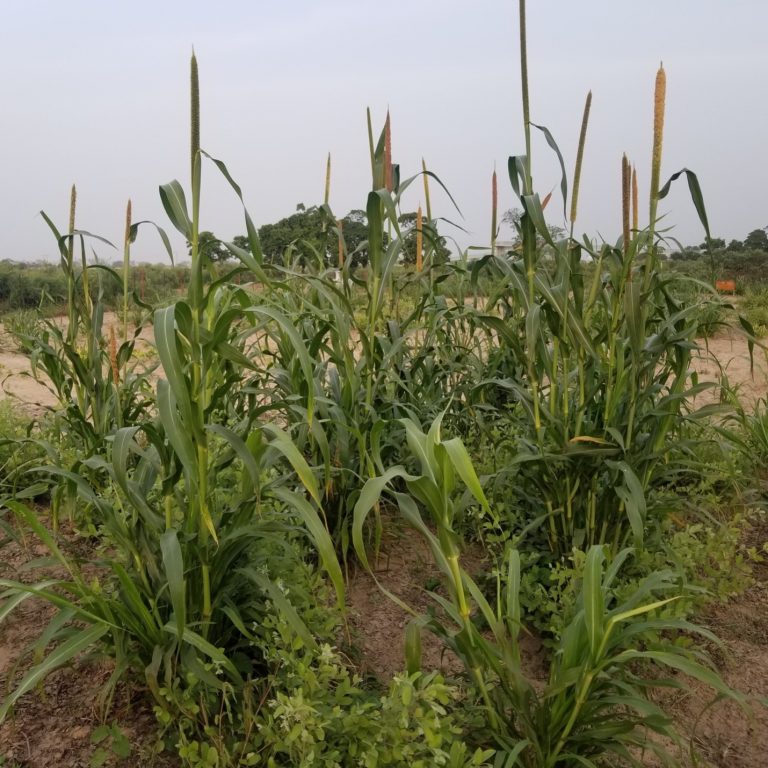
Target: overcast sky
<point x="96" y="93"/>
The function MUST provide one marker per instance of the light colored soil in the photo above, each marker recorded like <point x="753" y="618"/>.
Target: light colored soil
<point x="31" y="390"/>
<point x="18" y="383"/>
<point x="728" y="356"/>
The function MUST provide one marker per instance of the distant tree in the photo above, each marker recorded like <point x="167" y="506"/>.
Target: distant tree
<point x="746" y="265"/>
<point x="756" y="240"/>
<point x="354" y="229"/>
<point x="735" y="245"/>
<point x="440" y="254"/>
<point x="210" y="246"/>
<point x="303" y="230"/>
<point x="715" y="243"/>
<point x="687" y="254"/>
<point x="242" y="241"/>
<point x="512" y="218"/>
<point x="310" y="233"/>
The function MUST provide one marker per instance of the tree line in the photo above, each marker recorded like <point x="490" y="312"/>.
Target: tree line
<point x="309" y="234"/>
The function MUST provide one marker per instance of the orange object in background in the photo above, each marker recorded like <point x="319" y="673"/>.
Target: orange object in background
<point x="726" y="286"/>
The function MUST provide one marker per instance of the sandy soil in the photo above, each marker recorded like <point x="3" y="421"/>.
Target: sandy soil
<point x="728" y="356"/>
<point x="725" y="355"/>
<point x="725" y="735"/>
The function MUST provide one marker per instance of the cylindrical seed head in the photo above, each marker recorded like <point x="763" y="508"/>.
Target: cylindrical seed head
<point x="580" y="157"/>
<point x="494" y="208"/>
<point x="634" y="200"/>
<point x="659" y="101"/>
<point x="388" y="154"/>
<point x="72" y="207"/>
<point x="327" y="180"/>
<point x="128" y="223"/>
<point x="426" y="189"/>
<point x="625" y="195"/>
<point x="194" y="109"/>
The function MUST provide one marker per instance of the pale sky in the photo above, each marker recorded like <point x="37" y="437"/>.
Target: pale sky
<point x="96" y="93"/>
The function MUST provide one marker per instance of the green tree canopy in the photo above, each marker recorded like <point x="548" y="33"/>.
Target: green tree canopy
<point x="306" y="231"/>
<point x="311" y="234"/>
<point x="407" y="222"/>
<point x="512" y="218"/>
<point x="354" y="228"/>
<point x="715" y="243"/>
<point x="757" y="240"/>
<point x="210" y="247"/>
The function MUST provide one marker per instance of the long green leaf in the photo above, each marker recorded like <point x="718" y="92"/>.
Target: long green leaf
<point x="319" y="535"/>
<point x="594" y="600"/>
<point x="175" y="204"/>
<point x="173" y="564"/>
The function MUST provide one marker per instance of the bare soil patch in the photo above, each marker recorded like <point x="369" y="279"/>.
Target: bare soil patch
<point x="728" y="355"/>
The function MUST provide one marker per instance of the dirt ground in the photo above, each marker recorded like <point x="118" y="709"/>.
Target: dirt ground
<point x="724" y="735"/>
<point x="53" y="726"/>
<point x="406" y="569"/>
<point x="729" y="356"/>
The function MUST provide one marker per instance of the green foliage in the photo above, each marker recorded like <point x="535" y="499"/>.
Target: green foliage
<point x="757" y="239"/>
<point x="29" y="286"/>
<point x="596" y="377"/>
<point x="699" y="525"/>
<point x="211" y="248"/>
<point x="754" y="307"/>
<point x="746" y="266"/>
<point x="25" y="286"/>
<point x="23" y="324"/>
<point x="313" y="235"/>
<point x="315" y="712"/>
<point x="707" y="561"/>
<point x="190" y="556"/>
<point x="18" y="454"/>
<point x="96" y="383"/>
<point x="595" y="707"/>
<point x="112" y="743"/>
<point x="325" y="718"/>
<point x="306" y="230"/>
<point x="407" y="221"/>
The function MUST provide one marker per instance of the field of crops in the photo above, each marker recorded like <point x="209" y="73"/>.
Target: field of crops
<point x="352" y="509"/>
